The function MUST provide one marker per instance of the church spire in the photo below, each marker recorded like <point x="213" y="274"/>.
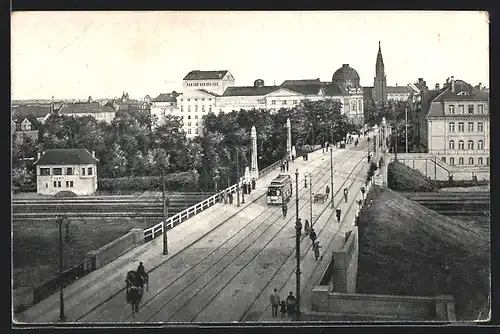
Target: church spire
<point x="379" y="66"/>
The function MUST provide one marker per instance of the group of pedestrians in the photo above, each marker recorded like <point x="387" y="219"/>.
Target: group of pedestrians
<point x="246" y="188"/>
<point x="286" y="307"/>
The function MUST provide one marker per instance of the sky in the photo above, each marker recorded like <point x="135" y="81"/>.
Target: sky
<point x="101" y="54"/>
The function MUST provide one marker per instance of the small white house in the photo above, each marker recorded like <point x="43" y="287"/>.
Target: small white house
<point x="66" y="169"/>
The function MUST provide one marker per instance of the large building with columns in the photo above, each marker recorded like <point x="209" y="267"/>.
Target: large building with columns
<point x="459" y="125"/>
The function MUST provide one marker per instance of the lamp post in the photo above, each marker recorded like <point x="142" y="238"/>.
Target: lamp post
<point x="406" y="128"/>
<point x="238" y="178"/>
<point x="310" y="197"/>
<point x="165" y="215"/>
<point x="298" y="229"/>
<point x="331" y="173"/>
<point x="60" y="222"/>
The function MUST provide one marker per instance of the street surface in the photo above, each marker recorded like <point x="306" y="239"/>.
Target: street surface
<point x="224" y="262"/>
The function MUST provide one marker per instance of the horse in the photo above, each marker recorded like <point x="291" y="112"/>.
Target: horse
<point x="134" y="296"/>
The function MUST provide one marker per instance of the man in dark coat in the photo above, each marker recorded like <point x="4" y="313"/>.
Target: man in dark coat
<point x="253" y="183"/>
<point x="338" y="215"/>
<point x="290" y="303"/>
<point x="312" y="235"/>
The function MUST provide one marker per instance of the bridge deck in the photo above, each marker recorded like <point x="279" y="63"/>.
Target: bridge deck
<point x="224" y="262"/>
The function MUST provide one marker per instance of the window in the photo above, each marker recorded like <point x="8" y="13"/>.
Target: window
<point x="189" y="100"/>
<point x="83" y="170"/>
<point x="471" y="108"/>
<point x="46" y="185"/>
<point x="210" y="108"/>
<point x="203" y="99"/>
<point x="471" y="161"/>
<point x="470" y="145"/>
<point x="196" y="131"/>
<point x="189" y="116"/>
<point x="57" y="171"/>
<point x="189" y="123"/>
<point x="273" y="102"/>
<point x="210" y="99"/>
<point x="189" y="108"/>
<point x="460" y="144"/>
<point x="451" y="127"/>
<point x="480" y="161"/>
<point x="452" y="161"/>
<point x="44" y="171"/>
<point x="460" y="161"/>
<point x="196" y="99"/>
<point x="182" y="108"/>
<point x="67" y="184"/>
<point x="55" y="184"/>
<point x="461" y="108"/>
<point x="69" y="171"/>
<point x="196" y="116"/>
<point x="284" y="102"/>
<point x="451" y="109"/>
<point x="479" y="126"/>
<point x="460" y="126"/>
<point x="181" y="100"/>
<point x="443" y="159"/>
<point x="294" y="101"/>
<point x="470" y="126"/>
<point x="451" y="145"/>
<point x="196" y="108"/>
<point x="480" y="109"/>
<point x="203" y="108"/>
<point x="189" y="131"/>
<point x="480" y="145"/>
<point x="89" y="171"/>
<point x="196" y="124"/>
<point x="71" y="184"/>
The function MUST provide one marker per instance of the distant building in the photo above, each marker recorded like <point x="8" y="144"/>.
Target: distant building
<point x="66" y="169"/>
<point x="459" y="125"/>
<point x="215" y="82"/>
<point x="94" y="109"/>
<point x="40" y="112"/>
<point x="24" y="127"/>
<point x="163" y="105"/>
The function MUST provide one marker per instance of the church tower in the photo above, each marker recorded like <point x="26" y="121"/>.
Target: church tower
<point x="380" y="84"/>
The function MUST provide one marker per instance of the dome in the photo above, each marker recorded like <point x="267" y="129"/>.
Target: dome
<point x="346" y="76"/>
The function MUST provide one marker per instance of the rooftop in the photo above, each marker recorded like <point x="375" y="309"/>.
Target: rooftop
<point x="166" y="97"/>
<point x="205" y="75"/>
<point x="84" y="108"/>
<point x="463" y="92"/>
<point x="307" y="87"/>
<point x="66" y="156"/>
<point x="249" y="90"/>
<point x="35" y="111"/>
<point x="397" y="89"/>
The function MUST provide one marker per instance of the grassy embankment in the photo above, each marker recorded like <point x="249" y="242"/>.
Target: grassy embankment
<point x="407" y="249"/>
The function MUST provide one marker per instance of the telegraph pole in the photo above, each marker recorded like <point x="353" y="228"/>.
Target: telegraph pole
<point x="331" y="174"/>
<point x="165" y="214"/>
<point x="238" y="180"/>
<point x="406" y="127"/>
<point x="60" y="221"/>
<point x="298" y="229"/>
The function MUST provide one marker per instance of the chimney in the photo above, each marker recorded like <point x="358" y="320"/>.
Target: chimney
<point x="93" y="154"/>
<point x="345" y="65"/>
<point x="437" y="86"/>
<point x="452" y="84"/>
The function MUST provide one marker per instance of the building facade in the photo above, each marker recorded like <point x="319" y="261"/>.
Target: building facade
<point x="459" y="125"/>
<point x="66" y="169"/>
<point x="94" y="109"/>
<point x="163" y="105"/>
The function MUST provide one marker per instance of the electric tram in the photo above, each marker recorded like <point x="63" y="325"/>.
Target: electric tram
<point x="280" y="190"/>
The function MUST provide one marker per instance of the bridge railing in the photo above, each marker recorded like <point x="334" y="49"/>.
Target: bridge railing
<point x="158" y="229"/>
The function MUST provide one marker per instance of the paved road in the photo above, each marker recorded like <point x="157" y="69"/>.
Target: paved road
<point x="229" y="273"/>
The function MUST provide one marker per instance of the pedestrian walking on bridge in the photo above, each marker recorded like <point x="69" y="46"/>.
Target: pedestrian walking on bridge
<point x="345" y="194"/>
<point x="253" y="183"/>
<point x="338" y="211"/>
<point x="284" y="208"/>
<point x="316" y="248"/>
<point x="275" y="302"/>
<point x="312" y="235"/>
<point x="327" y="190"/>
<point x="307" y="228"/>
<point x="290" y="304"/>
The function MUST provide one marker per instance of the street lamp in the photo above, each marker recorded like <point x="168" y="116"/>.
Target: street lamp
<point x="165" y="215"/>
<point x="60" y="222"/>
<point x="331" y="173"/>
<point x="298" y="229"/>
<point x="310" y="196"/>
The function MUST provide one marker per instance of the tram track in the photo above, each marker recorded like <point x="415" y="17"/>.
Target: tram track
<point x="273" y="215"/>
<point x="173" y="257"/>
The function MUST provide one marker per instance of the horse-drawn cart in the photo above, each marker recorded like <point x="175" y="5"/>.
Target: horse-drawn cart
<point x="320" y="197"/>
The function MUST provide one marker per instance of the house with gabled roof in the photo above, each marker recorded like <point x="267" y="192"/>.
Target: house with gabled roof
<point x="66" y="169"/>
<point x="24" y="127"/>
<point x="163" y="105"/>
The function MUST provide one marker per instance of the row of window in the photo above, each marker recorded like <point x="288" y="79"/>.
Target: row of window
<point x="57" y="184"/>
<point x="196" y="108"/>
<point x="470" y="126"/>
<point x="196" y="99"/>
<point x="189" y="124"/>
<point x="283" y="102"/>
<point x="470" y="109"/>
<point x="470" y="145"/>
<point x="195" y="131"/>
<point x="69" y="171"/>
<point x="471" y="161"/>
<point x="202" y="84"/>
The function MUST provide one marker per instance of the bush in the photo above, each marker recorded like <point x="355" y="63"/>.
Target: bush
<point x="371" y="171"/>
<point x="23" y="180"/>
<point x="173" y="182"/>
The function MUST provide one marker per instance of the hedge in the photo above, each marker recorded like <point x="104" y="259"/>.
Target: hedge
<point x="184" y="181"/>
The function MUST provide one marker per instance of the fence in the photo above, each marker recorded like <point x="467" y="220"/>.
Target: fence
<point x="155" y="231"/>
<point x="68" y="277"/>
